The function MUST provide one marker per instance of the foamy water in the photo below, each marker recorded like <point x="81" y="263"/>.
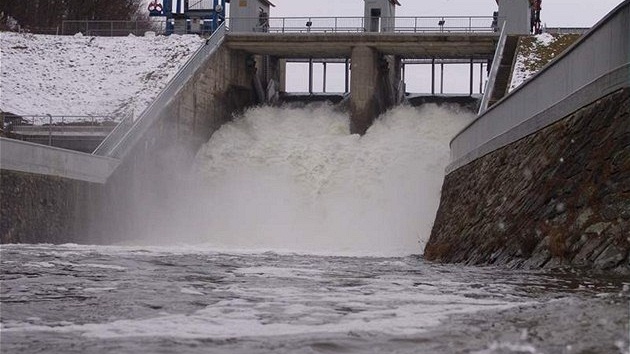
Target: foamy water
<point x="297" y="180"/>
<point x="104" y="299"/>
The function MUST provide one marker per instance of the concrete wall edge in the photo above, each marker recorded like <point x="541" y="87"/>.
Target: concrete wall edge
<point x="603" y="50"/>
<point x="601" y="87"/>
<point x="16" y="155"/>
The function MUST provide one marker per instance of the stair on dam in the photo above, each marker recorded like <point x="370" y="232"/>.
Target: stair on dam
<point x="505" y="70"/>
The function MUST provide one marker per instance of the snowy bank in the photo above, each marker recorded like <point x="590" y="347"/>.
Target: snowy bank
<point x="80" y="75"/>
<point x="534" y="52"/>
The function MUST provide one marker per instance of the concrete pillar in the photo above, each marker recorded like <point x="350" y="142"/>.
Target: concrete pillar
<point x="277" y="72"/>
<point x="364" y="100"/>
<point x="391" y="71"/>
<point x="282" y="75"/>
<point x="516" y="14"/>
<point x="347" y="76"/>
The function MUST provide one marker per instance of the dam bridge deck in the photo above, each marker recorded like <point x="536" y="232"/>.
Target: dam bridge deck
<point x="452" y="37"/>
<point x="340" y="45"/>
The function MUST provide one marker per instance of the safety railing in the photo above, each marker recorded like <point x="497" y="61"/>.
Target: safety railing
<point x="494" y="70"/>
<point x="16" y="126"/>
<point x="112" y="28"/>
<point x="422" y="24"/>
<point x="57" y="120"/>
<point x="117" y="144"/>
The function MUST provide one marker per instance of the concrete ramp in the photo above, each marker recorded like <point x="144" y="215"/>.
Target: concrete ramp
<point x="504" y="72"/>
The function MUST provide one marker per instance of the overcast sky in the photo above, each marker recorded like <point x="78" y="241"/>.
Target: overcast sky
<point x="555" y="13"/>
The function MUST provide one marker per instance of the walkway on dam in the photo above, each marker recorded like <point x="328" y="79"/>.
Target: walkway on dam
<point x="340" y="45"/>
<point x="424" y="37"/>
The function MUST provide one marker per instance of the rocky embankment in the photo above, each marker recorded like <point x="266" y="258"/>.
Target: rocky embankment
<point x="558" y="197"/>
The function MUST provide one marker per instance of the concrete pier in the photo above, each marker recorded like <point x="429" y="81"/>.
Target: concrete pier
<point x="366" y="102"/>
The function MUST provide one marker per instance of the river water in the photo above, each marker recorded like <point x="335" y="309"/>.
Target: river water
<point x="98" y="299"/>
<point x="292" y="236"/>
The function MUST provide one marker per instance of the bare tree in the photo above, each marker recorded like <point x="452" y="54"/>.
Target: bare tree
<point x="38" y="14"/>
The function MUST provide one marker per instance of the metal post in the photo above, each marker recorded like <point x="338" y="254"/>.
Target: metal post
<point x="310" y="75"/>
<point x="481" y="78"/>
<point x="111" y="29"/>
<point x="442" y="77"/>
<point x="49" y="130"/>
<point x="347" y="75"/>
<point x="87" y="25"/>
<point x="472" y="68"/>
<point x="433" y="76"/>
<point x="324" y="81"/>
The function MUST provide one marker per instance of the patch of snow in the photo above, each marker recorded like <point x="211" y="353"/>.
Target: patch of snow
<point x="521" y="72"/>
<point x="545" y="39"/>
<point x="82" y="75"/>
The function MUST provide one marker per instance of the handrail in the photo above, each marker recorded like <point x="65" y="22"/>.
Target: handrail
<point x="315" y="24"/>
<point x="117" y="145"/>
<point x="496" y="63"/>
<point x="116" y="134"/>
<point x="48" y="119"/>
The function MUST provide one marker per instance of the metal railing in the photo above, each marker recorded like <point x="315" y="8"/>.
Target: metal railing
<point x="566" y="30"/>
<point x="420" y="24"/>
<point x="113" y="28"/>
<point x="494" y="70"/>
<point x="56" y="120"/>
<point x="118" y="144"/>
<point x="16" y="126"/>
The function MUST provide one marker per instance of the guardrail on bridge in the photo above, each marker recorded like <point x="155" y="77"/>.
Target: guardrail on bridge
<point x="418" y="24"/>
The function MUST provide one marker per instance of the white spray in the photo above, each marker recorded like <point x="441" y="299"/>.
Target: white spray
<point x="289" y="179"/>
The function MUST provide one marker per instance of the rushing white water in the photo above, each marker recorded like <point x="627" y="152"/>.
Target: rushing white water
<point x="290" y="179"/>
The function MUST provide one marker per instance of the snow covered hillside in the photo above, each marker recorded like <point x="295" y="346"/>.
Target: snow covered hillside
<point x="534" y="52"/>
<point x="79" y="75"/>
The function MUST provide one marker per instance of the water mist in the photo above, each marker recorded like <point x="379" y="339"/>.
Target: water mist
<point x="289" y="179"/>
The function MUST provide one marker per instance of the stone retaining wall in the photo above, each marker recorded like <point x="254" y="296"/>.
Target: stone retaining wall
<point x="558" y="196"/>
<point x="37" y="208"/>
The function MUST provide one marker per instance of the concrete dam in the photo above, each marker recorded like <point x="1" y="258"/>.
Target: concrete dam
<point x="539" y="178"/>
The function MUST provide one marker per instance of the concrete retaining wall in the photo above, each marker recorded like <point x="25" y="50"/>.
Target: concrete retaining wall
<point x="140" y="193"/>
<point x="16" y="155"/>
